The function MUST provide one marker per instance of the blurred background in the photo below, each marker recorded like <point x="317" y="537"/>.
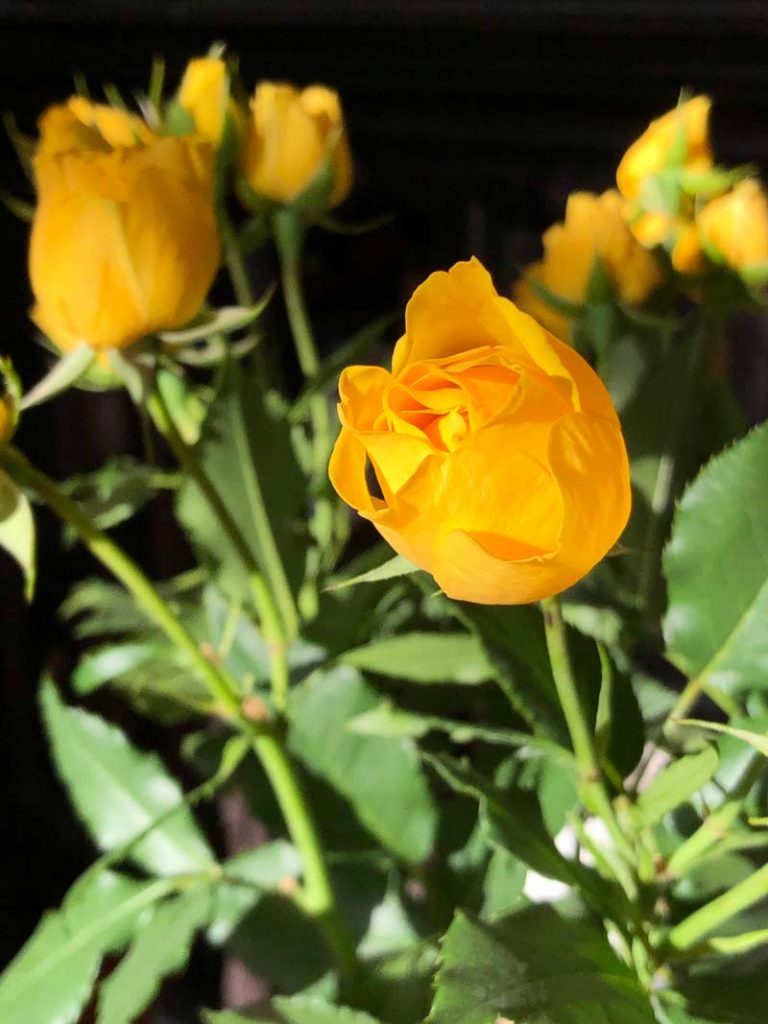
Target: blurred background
<point x="469" y="121"/>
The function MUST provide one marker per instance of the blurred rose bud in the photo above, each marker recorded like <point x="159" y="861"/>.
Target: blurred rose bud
<point x="490" y="455"/>
<point x="293" y="137"/>
<point x="735" y="227"/>
<point x="124" y="239"/>
<point x="10" y="397"/>
<point x="594" y="228"/>
<point x="204" y="93"/>
<point x="654" y="176"/>
<point x="678" y="140"/>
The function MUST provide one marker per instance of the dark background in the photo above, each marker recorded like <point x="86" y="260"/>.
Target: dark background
<point x="470" y="121"/>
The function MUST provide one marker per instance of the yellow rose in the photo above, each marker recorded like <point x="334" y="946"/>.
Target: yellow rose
<point x="7" y="419"/>
<point x="124" y="239"/>
<point x="204" y="94"/>
<point x="680" y="139"/>
<point x="290" y="135"/>
<point x="80" y="124"/>
<point x="498" y="459"/>
<point x="594" y="227"/>
<point x="735" y="226"/>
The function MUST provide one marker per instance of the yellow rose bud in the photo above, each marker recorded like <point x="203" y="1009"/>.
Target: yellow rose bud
<point x="594" y="227"/>
<point x="80" y="124"/>
<point x="291" y="134"/>
<point x="497" y="461"/>
<point x="124" y="239"/>
<point x="735" y="226"/>
<point x="204" y="94"/>
<point x="680" y="136"/>
<point x="7" y="419"/>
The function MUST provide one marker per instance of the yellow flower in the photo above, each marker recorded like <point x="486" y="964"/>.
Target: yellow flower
<point x="497" y="461"/>
<point x="124" y="239"/>
<point x="662" y="214"/>
<point x="594" y="227"/>
<point x="735" y="226"/>
<point x="7" y="419"/>
<point x="80" y="124"/>
<point x="204" y="94"/>
<point x="291" y="134"/>
<point x="679" y="139"/>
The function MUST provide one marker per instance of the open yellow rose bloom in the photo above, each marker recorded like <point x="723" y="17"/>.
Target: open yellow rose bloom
<point x="594" y="227"/>
<point x="124" y="240"/>
<point x="498" y="458"/>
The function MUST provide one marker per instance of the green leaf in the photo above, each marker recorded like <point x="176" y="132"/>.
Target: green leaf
<point x="534" y="967"/>
<point x="116" y="491"/>
<point x="387" y="719"/>
<point x="63" y="374"/>
<point x="17" y="531"/>
<point x="50" y="980"/>
<point x="757" y="740"/>
<point x="106" y="664"/>
<point x="514" y="817"/>
<point x="245" y="449"/>
<point x="397" y="566"/>
<point x="246" y="877"/>
<point x="425" y="658"/>
<point x="161" y="947"/>
<point x="676" y="784"/>
<point x="226" y="320"/>
<point x="380" y="776"/>
<point x="514" y="640"/>
<point x="118" y="791"/>
<point x="716" y="567"/>
<point x="308" y="1010"/>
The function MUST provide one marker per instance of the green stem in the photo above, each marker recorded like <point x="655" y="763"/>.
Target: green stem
<point x="274" y="631"/>
<point x="289" y="238"/>
<point x="238" y="275"/>
<point x="124" y="569"/>
<point x="707" y="918"/>
<point x="592" y="788"/>
<point x="317" y="897"/>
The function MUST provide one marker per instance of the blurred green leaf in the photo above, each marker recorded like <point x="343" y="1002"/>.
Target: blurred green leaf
<point x="534" y="967"/>
<point x="245" y="450"/>
<point x="759" y="741"/>
<point x="17" y="531"/>
<point x="393" y="567"/>
<point x="226" y="320"/>
<point x="380" y="776"/>
<point x="514" y="816"/>
<point x="306" y="1010"/>
<point x="716" y="567"/>
<point x="676" y="784"/>
<point x="119" y="791"/>
<point x="425" y="658"/>
<point x="161" y="947"/>
<point x="116" y="491"/>
<point x="514" y="641"/>
<point x="61" y="376"/>
<point x="51" y="979"/>
<point x="247" y="876"/>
